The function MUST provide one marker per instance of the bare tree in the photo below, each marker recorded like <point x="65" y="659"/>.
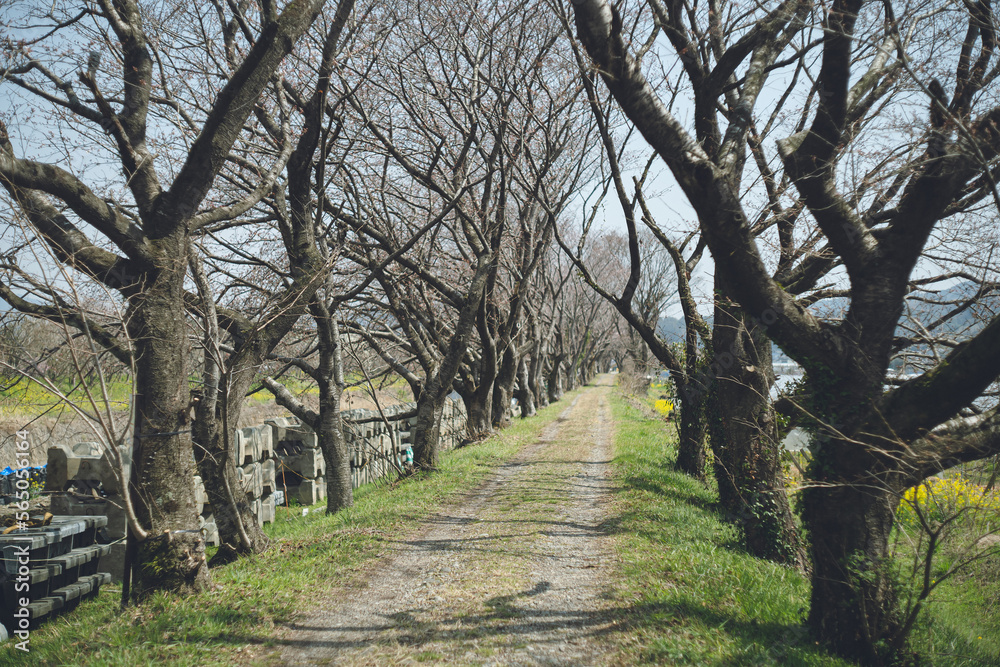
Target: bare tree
<point x="171" y="141"/>
<point x="874" y="221"/>
<point x="468" y="138"/>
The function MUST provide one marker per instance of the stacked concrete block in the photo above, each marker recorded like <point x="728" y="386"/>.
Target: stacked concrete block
<point x="206" y="514"/>
<point x="82" y="467"/>
<point x="267" y="509"/>
<point x="253" y="453"/>
<point x="299" y="466"/>
<point x="452" y="424"/>
<point x="112" y="533"/>
<point x="206" y="523"/>
<point x="281" y="455"/>
<point x="48" y="569"/>
<point x="380" y="442"/>
<point x="82" y="481"/>
<point x="268" y="477"/>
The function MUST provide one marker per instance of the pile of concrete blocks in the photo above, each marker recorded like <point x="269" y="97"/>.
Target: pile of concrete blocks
<point x="281" y="454"/>
<point x="377" y="448"/>
<point x="49" y="568"/>
<point x="380" y="441"/>
<point x="453" y="420"/>
<point x="253" y="453"/>
<point x="299" y="466"/>
<point x="82" y="481"/>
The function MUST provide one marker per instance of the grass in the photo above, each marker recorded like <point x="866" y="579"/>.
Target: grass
<point x="697" y="599"/>
<point x="694" y="597"/>
<point x="240" y="618"/>
<point x="961" y="624"/>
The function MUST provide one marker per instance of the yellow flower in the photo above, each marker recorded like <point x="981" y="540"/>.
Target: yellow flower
<point x="938" y="498"/>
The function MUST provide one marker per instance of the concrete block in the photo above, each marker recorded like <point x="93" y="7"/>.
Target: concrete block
<point x="257" y="507"/>
<point x="65" y="467"/>
<point x="200" y="495"/>
<point x="311" y="491"/>
<point x="65" y="505"/>
<point x="251" y="480"/>
<point x="267" y="509"/>
<point x="279" y="426"/>
<point x="265" y="442"/>
<point x="247" y="445"/>
<point x="268" y="477"/>
<point x="211" y="532"/>
<point x="309" y="463"/>
<point x="303" y="434"/>
<point x="87" y="449"/>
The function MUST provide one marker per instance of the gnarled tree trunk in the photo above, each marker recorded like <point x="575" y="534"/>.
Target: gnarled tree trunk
<point x="524" y="394"/>
<point x="853" y="600"/>
<point x="691" y="444"/>
<point x="163" y="467"/>
<point x="744" y="439"/>
<point x="503" y="389"/>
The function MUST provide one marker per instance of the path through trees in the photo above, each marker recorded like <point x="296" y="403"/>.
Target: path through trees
<point x="513" y="573"/>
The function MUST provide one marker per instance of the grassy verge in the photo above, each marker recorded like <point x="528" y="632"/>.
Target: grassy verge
<point x="697" y="599"/>
<point x="961" y="624"/>
<point x="693" y="597"/>
<point x="237" y="620"/>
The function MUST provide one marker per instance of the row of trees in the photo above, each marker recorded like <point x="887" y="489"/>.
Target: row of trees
<point x="212" y="199"/>
<point x="245" y="193"/>
<point x="840" y="162"/>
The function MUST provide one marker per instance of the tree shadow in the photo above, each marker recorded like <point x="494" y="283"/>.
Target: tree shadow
<point x="508" y="617"/>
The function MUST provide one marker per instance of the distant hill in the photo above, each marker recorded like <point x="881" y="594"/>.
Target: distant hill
<point x="919" y="308"/>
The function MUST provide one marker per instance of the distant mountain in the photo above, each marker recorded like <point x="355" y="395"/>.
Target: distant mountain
<point x="922" y="307"/>
<point x="671" y="329"/>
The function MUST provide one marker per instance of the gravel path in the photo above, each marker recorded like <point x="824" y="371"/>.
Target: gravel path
<point x="511" y="575"/>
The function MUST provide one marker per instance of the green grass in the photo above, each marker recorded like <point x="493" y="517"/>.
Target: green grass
<point x="697" y="599"/>
<point x="239" y="619"/>
<point x="692" y="596"/>
<point x="960" y="623"/>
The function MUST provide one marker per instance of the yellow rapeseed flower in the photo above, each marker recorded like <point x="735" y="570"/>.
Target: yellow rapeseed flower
<point x="941" y="497"/>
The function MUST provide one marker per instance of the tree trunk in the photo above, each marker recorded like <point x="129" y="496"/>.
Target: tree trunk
<point x="525" y="395"/>
<point x="555" y="388"/>
<point x="853" y="604"/>
<point x="571" y="377"/>
<point x="503" y="389"/>
<point x="336" y="451"/>
<point x="478" y="408"/>
<point x="691" y="447"/>
<point x="427" y="430"/>
<point x="163" y="461"/>
<point x="745" y="439"/>
<point x="234" y="517"/>
<point x="535" y="378"/>
<point x="328" y="422"/>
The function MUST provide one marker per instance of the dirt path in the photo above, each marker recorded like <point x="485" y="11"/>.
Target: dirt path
<point x="512" y="575"/>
